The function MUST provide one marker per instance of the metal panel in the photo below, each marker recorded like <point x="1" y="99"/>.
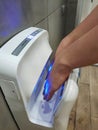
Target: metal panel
<point x="79" y="12"/>
<point x="16" y="15"/>
<point x="54" y="4"/>
<point x="56" y="23"/>
<point x="6" y="120"/>
<point x="70" y="17"/>
<point x="71" y="1"/>
<point x="43" y="24"/>
<point x="39" y="10"/>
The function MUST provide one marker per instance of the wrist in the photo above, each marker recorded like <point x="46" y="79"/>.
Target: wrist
<point x="73" y="36"/>
<point x="59" y="75"/>
<point x="68" y="40"/>
<point x="62" y="66"/>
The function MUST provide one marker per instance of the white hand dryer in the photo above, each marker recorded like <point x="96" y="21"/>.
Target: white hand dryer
<point x="25" y="61"/>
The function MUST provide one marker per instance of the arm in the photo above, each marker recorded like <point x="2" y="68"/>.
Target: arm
<point x="90" y="22"/>
<point x="82" y="52"/>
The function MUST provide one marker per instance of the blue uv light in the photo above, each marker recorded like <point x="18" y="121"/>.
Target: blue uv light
<point x="61" y="92"/>
<point x="50" y="67"/>
<point x="47" y="83"/>
<point x="46" y="87"/>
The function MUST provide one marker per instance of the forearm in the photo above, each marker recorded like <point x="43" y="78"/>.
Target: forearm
<point x="83" y="52"/>
<point x="90" y="22"/>
<point x="86" y="25"/>
<point x="79" y="48"/>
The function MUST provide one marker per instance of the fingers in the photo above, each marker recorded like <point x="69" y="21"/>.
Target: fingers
<point x="48" y="91"/>
<point x="49" y="95"/>
<point x="55" y="79"/>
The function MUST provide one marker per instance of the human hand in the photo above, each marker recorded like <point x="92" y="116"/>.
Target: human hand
<point x="59" y="72"/>
<point x="56" y="78"/>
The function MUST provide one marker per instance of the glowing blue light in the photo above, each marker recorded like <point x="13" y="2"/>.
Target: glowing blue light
<point x="46" y="87"/>
<point x="47" y="83"/>
<point x="50" y="67"/>
<point x="61" y="92"/>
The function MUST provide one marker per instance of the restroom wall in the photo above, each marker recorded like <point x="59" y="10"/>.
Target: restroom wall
<point x="84" y="7"/>
<point x="56" y="16"/>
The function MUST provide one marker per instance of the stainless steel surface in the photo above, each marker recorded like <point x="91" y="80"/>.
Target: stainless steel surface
<point x="56" y="23"/>
<point x="79" y="12"/>
<point x="63" y="9"/>
<point x="54" y="4"/>
<point x="16" y="15"/>
<point x="43" y="24"/>
<point x="39" y="10"/>
<point x="70" y="16"/>
<point x="6" y="120"/>
<point x="12" y="18"/>
<point x="71" y="1"/>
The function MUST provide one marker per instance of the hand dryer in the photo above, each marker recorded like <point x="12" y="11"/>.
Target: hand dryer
<point x="25" y="62"/>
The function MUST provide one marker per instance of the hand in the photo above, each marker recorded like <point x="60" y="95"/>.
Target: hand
<point x="56" y="78"/>
<point x="59" y="71"/>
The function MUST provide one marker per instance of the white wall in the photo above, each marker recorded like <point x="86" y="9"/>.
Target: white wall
<point x="84" y="8"/>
